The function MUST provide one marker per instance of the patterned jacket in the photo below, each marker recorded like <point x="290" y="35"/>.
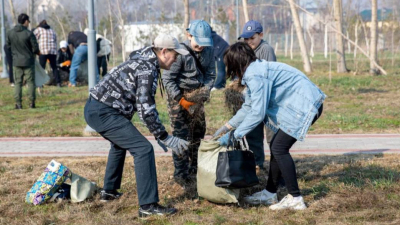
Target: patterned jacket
<point x="131" y="87"/>
<point x="47" y="40"/>
<point x="184" y="74"/>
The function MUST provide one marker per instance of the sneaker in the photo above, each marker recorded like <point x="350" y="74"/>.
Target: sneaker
<point x="71" y="85"/>
<point x="290" y="202"/>
<point x="262" y="197"/>
<point x="156" y="209"/>
<point x="12" y="85"/>
<point x="18" y="106"/>
<point x="106" y="196"/>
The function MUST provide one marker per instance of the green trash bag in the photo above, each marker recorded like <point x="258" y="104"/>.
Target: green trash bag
<point x="206" y="174"/>
<point x="81" y="188"/>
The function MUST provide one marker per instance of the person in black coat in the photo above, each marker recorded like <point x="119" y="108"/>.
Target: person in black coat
<point x="9" y="64"/>
<point x="63" y="60"/>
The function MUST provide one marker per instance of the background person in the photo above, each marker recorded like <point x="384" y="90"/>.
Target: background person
<point x="189" y="73"/>
<point x="285" y="100"/>
<point x="23" y="46"/>
<point x="64" y="58"/>
<point x="220" y="45"/>
<point x="9" y="64"/>
<point x="47" y="39"/>
<point x="129" y="88"/>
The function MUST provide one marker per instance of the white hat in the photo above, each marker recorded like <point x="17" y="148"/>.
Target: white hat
<point x="63" y="44"/>
<point x="167" y="41"/>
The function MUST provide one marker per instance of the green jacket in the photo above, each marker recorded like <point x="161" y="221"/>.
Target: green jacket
<point x="23" y="45"/>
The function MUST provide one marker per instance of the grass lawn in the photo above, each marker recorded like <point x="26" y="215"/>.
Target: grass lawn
<point x="350" y="189"/>
<point x="356" y="104"/>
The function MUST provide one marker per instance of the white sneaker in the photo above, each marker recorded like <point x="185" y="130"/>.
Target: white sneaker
<point x="213" y="89"/>
<point x="290" y="202"/>
<point x="262" y="197"/>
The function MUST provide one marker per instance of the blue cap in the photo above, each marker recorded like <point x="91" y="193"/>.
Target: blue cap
<point x="201" y="31"/>
<point x="250" y="28"/>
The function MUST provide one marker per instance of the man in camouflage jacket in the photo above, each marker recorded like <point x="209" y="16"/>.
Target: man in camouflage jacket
<point x="187" y="75"/>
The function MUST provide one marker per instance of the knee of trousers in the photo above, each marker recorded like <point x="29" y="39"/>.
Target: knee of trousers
<point x="145" y="150"/>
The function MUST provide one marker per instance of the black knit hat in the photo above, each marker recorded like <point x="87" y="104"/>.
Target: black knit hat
<point x="22" y="18"/>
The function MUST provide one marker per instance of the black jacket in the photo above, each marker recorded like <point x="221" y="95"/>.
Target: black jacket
<point x="23" y="45"/>
<point x="63" y="56"/>
<point x="131" y="87"/>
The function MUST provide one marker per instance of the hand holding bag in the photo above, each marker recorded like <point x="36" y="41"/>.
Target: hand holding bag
<point x="236" y="168"/>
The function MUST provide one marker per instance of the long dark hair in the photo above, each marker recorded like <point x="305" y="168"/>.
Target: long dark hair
<point x="237" y="58"/>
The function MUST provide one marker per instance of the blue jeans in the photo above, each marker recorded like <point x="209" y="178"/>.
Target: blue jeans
<point x="123" y="136"/>
<point x="80" y="55"/>
<point x="221" y="79"/>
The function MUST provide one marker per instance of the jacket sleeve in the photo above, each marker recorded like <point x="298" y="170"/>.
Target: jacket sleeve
<point x="35" y="46"/>
<point x="209" y="77"/>
<point x="259" y="96"/>
<point x="170" y="78"/>
<point x="146" y="105"/>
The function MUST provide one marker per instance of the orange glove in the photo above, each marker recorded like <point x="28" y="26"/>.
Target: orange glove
<point x="66" y="63"/>
<point x="185" y="104"/>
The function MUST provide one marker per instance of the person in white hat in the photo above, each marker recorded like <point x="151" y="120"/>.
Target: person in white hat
<point x="63" y="60"/>
<point x="126" y="89"/>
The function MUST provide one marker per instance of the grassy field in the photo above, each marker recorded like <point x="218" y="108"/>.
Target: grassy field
<point x="349" y="189"/>
<point x="356" y="104"/>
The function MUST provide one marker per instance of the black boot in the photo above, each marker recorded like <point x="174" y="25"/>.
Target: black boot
<point x="18" y="106"/>
<point x="32" y="105"/>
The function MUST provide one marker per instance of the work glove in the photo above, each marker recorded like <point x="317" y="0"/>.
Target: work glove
<point x="176" y="144"/>
<point x="224" y="140"/>
<point x="221" y="131"/>
<point x="186" y="104"/>
<point x="66" y="63"/>
<point x="162" y="145"/>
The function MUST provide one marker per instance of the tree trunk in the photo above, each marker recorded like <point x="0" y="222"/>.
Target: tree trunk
<point x="14" y="18"/>
<point x="121" y="23"/>
<point x="286" y="42"/>
<point x="61" y="25"/>
<point x="356" y="38"/>
<point x="245" y="11"/>
<point x="326" y="41"/>
<point x="291" y="41"/>
<point x="32" y="15"/>
<point x="300" y="38"/>
<point x="340" y="52"/>
<point x="186" y="17"/>
<point x="112" y="33"/>
<point x="374" y="37"/>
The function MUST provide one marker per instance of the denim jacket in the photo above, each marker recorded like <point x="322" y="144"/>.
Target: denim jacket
<point x="280" y="96"/>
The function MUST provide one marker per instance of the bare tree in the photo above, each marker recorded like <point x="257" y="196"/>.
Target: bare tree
<point x="122" y="25"/>
<point x="112" y="32"/>
<point x="374" y="37"/>
<point x="340" y="52"/>
<point x="303" y="49"/>
<point x="14" y="18"/>
<point x="186" y="17"/>
<point x="61" y="25"/>
<point x="245" y="10"/>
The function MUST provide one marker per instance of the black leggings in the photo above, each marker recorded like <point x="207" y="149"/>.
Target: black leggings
<point x="282" y="164"/>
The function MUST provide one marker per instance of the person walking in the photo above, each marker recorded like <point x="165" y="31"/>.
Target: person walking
<point x="23" y="46"/>
<point x="191" y="72"/>
<point x="47" y="39"/>
<point x="9" y="64"/>
<point x="220" y="45"/>
<point x="126" y="89"/>
<point x="288" y="103"/>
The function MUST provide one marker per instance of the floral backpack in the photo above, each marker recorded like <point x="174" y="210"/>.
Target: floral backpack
<point x="48" y="183"/>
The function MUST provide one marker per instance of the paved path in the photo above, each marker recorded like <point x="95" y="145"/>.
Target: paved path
<point x="97" y="146"/>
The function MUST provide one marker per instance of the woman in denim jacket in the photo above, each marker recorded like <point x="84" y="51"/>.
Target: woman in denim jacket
<point x="287" y="102"/>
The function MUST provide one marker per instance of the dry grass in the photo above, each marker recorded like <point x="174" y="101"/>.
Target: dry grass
<point x="349" y="189"/>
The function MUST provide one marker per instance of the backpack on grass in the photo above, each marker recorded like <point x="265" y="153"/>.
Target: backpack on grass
<point x="48" y="183"/>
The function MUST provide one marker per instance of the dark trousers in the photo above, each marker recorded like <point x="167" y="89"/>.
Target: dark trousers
<point x="102" y="62"/>
<point x="189" y="128"/>
<point x="123" y="136"/>
<point x="220" y="80"/>
<point x="282" y="164"/>
<point x="9" y="67"/>
<point x="53" y="64"/>
<point x="255" y="139"/>
<point x="27" y="73"/>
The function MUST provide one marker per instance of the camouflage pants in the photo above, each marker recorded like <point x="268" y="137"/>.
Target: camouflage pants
<point x="190" y="128"/>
